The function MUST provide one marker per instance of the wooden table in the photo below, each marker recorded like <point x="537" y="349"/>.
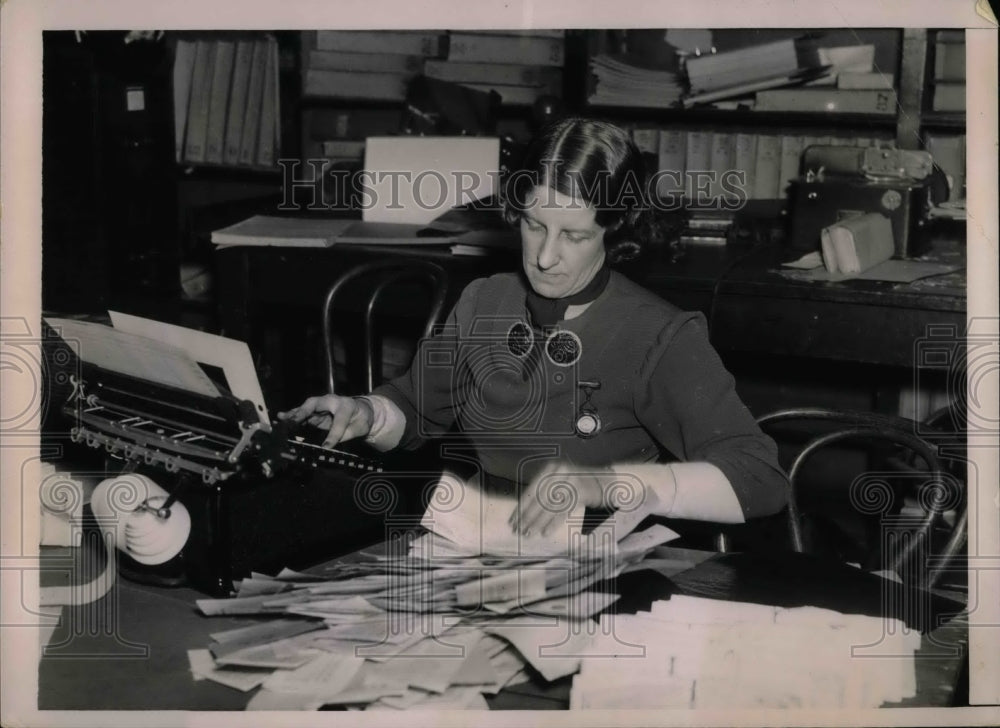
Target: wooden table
<point x="129" y="650"/>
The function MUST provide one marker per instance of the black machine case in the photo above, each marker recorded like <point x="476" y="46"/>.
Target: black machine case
<point x="260" y="498"/>
<point x="839" y="182"/>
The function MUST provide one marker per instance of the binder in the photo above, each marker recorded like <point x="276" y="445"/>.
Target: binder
<point x="768" y="168"/>
<point x="222" y="76"/>
<point x="201" y="92"/>
<point x="355" y="85"/>
<point x="183" y="71"/>
<point x="791" y="157"/>
<point x="419" y="43"/>
<point x="697" y="160"/>
<point x="858" y="101"/>
<point x="722" y="159"/>
<point x="269" y="108"/>
<point x="672" y="154"/>
<point x="745" y="161"/>
<point x="508" y="74"/>
<point x="237" y="101"/>
<point x="474" y="47"/>
<point x="255" y="95"/>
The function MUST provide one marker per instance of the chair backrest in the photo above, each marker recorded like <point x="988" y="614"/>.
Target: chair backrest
<point x="380" y="277"/>
<point x="938" y="491"/>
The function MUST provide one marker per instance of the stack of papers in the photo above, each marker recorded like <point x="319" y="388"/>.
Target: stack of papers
<point x="427" y="628"/>
<point x="705" y="653"/>
<point x="622" y="84"/>
<point x="305" y="232"/>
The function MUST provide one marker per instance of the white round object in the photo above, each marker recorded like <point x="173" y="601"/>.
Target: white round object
<point x="119" y="504"/>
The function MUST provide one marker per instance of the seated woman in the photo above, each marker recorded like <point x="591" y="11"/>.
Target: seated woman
<point x="570" y="375"/>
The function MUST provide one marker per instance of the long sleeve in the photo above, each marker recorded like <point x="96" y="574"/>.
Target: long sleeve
<point x="426" y="394"/>
<point x="687" y="400"/>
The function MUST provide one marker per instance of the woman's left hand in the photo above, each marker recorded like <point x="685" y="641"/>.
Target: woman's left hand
<point x="554" y="493"/>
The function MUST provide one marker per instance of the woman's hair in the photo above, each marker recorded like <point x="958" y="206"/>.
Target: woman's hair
<point x="597" y="162"/>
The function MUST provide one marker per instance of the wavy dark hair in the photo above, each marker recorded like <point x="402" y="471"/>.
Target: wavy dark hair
<point x="597" y="162"/>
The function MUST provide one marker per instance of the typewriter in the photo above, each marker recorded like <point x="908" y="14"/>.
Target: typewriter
<point x="261" y="495"/>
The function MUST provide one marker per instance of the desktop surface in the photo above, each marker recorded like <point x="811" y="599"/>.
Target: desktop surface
<point x="128" y="651"/>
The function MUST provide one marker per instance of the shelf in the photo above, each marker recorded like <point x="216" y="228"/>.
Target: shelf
<point x="743" y="116"/>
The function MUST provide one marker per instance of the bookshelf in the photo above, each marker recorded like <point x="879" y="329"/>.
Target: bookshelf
<point x="914" y="59"/>
<point x="318" y="119"/>
<point x="925" y="109"/>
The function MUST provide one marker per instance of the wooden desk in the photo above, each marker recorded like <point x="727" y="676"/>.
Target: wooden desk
<point x="129" y="650"/>
<point x="752" y="307"/>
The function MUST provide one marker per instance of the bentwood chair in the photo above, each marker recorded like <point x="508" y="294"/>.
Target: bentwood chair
<point x="910" y="496"/>
<point x="374" y="288"/>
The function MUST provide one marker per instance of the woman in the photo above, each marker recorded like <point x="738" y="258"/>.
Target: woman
<point x="568" y="374"/>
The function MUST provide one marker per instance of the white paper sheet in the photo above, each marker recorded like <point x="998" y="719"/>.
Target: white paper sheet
<point x="134" y="355"/>
<point x="230" y="355"/>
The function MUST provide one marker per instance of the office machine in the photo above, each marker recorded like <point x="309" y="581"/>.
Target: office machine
<point x="259" y="495"/>
<point x="838" y="182"/>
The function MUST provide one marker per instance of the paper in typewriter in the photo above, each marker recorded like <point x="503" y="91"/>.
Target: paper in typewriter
<point x="136" y="356"/>
<point x="230" y="355"/>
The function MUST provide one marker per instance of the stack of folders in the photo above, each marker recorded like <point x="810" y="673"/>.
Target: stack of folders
<point x="226" y="100"/>
<point x="444" y="621"/>
<point x="519" y="65"/>
<point x="949" y="71"/>
<point x="619" y="83"/>
<point x="366" y="64"/>
<point x="712" y="654"/>
<point x="850" y="84"/>
<point x="838" y="79"/>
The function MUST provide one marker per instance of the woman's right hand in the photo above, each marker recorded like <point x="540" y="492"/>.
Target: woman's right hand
<point x="344" y="418"/>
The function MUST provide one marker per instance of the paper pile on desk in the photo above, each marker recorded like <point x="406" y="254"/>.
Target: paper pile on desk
<point x="703" y="653"/>
<point x="413" y="630"/>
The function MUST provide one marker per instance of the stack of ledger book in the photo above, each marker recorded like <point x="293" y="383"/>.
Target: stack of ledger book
<point x="427" y="623"/>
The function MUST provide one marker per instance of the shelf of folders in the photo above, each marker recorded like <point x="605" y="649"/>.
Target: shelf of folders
<point x="379" y="65"/>
<point x="795" y="74"/>
<point x="226" y="100"/>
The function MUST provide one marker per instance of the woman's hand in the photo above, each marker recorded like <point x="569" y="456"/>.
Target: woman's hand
<point x="555" y="492"/>
<point x="344" y="418"/>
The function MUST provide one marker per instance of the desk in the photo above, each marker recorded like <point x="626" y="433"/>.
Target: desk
<point x="141" y="663"/>
<point x="752" y="307"/>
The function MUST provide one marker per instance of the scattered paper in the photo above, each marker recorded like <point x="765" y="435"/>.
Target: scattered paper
<point x="323" y="675"/>
<point x="258" y="634"/>
<point x="204" y="667"/>
<point x="269" y="700"/>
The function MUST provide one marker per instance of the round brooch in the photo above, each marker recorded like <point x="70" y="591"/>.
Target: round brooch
<point x="520" y="339"/>
<point x="563" y="348"/>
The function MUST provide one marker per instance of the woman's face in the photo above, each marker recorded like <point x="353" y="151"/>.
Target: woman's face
<point x="562" y="247"/>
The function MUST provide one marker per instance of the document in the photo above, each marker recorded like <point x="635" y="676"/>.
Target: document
<point x="136" y="356"/>
<point x="479" y="524"/>
<point x="230" y="355"/>
<point x="323" y="675"/>
<point x="204" y="667"/>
